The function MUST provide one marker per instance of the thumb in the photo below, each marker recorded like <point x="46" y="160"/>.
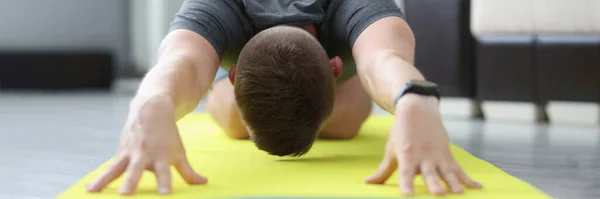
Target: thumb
<point x="385" y="170"/>
<point x="188" y="174"/>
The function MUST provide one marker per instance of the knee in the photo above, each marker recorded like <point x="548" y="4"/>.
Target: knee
<point x="343" y="129"/>
<point x="338" y="134"/>
<point x="229" y="121"/>
<point x="222" y="108"/>
<point x="237" y="134"/>
<point x="347" y="126"/>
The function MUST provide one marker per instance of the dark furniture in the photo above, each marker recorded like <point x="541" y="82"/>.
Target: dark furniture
<point x="56" y="70"/>
<point x="568" y="68"/>
<point x="505" y="68"/>
<point x="523" y="67"/>
<point x="444" y="44"/>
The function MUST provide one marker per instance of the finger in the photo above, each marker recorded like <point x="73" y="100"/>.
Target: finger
<point x="132" y="177"/>
<point x="386" y="169"/>
<point x="451" y="180"/>
<point x="406" y="176"/>
<point x="432" y="179"/>
<point x="112" y="172"/>
<point x="163" y="177"/>
<point x="188" y="174"/>
<point x="466" y="180"/>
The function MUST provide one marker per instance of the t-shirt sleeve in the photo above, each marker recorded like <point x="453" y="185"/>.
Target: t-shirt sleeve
<point x="220" y="22"/>
<point x="351" y="18"/>
<point x="346" y="20"/>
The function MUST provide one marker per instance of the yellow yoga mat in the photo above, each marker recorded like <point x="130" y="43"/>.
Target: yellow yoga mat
<point x="332" y="169"/>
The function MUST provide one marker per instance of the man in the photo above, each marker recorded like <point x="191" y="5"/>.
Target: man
<point x="286" y="87"/>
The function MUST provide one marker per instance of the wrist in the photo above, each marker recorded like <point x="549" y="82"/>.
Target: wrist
<point x="420" y="87"/>
<point x="411" y="103"/>
<point x="148" y="105"/>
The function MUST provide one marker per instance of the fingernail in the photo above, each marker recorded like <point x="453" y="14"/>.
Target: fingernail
<point x="438" y="192"/>
<point x="373" y="180"/>
<point x="202" y="180"/>
<point x="163" y="190"/>
<point x="406" y="190"/>
<point x="458" y="190"/>
<point x="90" y="187"/>
<point x="122" y="191"/>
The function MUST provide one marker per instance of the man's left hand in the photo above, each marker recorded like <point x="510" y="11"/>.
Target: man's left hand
<point x="419" y="144"/>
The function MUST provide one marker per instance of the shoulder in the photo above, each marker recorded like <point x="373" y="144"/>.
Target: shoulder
<point x="221" y="22"/>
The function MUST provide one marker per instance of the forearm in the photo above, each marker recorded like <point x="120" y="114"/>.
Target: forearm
<point x="184" y="72"/>
<point x="385" y="76"/>
<point x="384" y="54"/>
<point x="172" y="82"/>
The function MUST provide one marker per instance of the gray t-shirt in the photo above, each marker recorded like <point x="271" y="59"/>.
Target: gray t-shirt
<point x="229" y="24"/>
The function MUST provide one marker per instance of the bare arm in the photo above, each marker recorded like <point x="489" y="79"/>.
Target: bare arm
<point x="150" y="140"/>
<point x="418" y="142"/>
<point x="384" y="54"/>
<point x="185" y="70"/>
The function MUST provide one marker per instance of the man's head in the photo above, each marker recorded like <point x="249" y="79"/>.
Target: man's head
<point x="284" y="86"/>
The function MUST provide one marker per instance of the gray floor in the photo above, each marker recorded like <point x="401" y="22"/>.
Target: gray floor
<point x="50" y="140"/>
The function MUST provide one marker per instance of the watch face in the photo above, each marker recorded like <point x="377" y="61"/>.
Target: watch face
<point x="423" y="83"/>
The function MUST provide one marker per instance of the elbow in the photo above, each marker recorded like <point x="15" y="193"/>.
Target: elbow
<point x="378" y="59"/>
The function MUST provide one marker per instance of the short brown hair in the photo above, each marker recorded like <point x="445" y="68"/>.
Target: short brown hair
<point x="284" y="89"/>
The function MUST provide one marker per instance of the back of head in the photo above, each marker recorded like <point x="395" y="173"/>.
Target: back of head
<point x="284" y="88"/>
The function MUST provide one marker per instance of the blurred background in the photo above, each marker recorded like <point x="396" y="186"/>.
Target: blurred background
<point x="539" y="58"/>
<point x="517" y="77"/>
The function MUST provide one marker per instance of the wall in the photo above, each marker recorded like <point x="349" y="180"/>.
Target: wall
<point x="150" y="21"/>
<point x="400" y="4"/>
<point x="66" y="25"/>
<point x="139" y="50"/>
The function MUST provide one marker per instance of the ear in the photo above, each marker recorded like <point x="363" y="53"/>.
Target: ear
<point x="232" y="74"/>
<point x="337" y="66"/>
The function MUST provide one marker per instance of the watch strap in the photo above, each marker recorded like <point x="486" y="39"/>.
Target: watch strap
<point x="416" y="89"/>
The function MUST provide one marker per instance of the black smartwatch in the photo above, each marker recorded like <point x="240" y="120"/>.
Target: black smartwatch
<point x="419" y="87"/>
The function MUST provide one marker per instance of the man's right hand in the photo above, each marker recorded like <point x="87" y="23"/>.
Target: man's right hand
<point x="149" y="141"/>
